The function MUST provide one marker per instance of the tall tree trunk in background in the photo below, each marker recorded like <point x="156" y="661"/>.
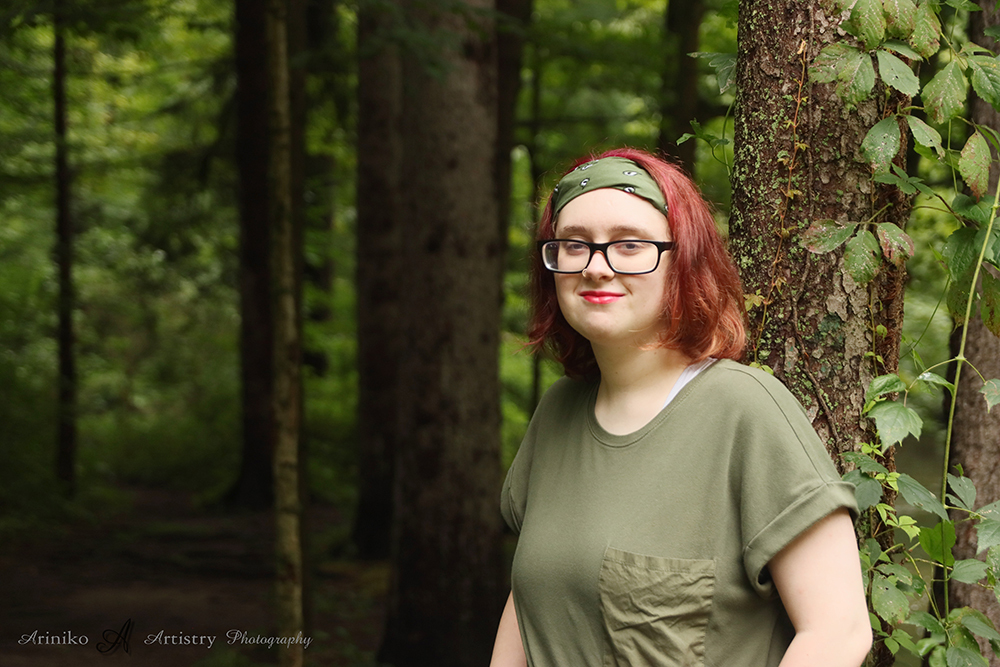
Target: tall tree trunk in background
<point x="446" y="594"/>
<point x="66" y="408"/>
<point x="254" y="487"/>
<point x="513" y="19"/>
<point x="976" y="432"/>
<point x="379" y="279"/>
<point x="679" y="92"/>
<point x="287" y="336"/>
<point x="812" y="324"/>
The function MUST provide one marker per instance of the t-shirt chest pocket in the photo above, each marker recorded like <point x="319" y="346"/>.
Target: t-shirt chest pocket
<point x="655" y="610"/>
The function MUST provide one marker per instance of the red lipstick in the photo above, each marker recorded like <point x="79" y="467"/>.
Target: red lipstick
<point x="597" y="296"/>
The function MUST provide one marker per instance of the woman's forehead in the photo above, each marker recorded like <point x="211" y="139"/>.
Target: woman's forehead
<point x="609" y="211"/>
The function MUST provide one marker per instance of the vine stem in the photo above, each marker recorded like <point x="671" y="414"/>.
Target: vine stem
<point x="958" y="372"/>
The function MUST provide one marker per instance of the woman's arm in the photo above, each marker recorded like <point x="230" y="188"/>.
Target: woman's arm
<point x="508" y="650"/>
<point x="819" y="579"/>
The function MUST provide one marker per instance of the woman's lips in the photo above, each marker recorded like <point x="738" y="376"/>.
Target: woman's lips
<point x="600" y="297"/>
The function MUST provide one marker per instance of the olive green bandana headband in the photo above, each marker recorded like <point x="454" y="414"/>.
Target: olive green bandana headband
<point x="610" y="172"/>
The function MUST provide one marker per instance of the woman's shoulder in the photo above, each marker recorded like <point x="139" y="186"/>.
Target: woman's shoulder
<point x="737" y="383"/>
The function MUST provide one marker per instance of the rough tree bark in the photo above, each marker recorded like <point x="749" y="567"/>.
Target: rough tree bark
<point x="796" y="161"/>
<point x="446" y="594"/>
<point x="976" y="432"/>
<point x="379" y="278"/>
<point x="66" y="404"/>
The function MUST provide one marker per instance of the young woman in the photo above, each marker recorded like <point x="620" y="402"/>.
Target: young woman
<point x="673" y="507"/>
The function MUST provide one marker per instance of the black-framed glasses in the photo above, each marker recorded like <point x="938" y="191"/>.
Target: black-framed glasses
<point x="630" y="256"/>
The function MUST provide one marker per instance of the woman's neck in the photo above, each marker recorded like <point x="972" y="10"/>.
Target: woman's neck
<point x="635" y="382"/>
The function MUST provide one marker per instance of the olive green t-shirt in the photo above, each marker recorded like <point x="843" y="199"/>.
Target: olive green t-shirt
<point x="652" y="548"/>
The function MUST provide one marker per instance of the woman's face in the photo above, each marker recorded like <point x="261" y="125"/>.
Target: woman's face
<point x="604" y="307"/>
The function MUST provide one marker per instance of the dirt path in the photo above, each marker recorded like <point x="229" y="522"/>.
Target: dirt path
<point x="186" y="589"/>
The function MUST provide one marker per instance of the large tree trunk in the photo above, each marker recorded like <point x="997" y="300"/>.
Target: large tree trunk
<point x="446" y="592"/>
<point x="66" y="407"/>
<point x="679" y="88"/>
<point x="287" y="337"/>
<point x="796" y="162"/>
<point x="976" y="432"/>
<point x="254" y="488"/>
<point x="381" y="337"/>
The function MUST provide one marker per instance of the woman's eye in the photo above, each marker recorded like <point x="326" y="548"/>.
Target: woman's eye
<point x="629" y="246"/>
<point x="575" y="248"/>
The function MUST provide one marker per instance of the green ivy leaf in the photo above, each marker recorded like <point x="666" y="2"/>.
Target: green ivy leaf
<point x="990" y="308"/>
<point x="938" y="540"/>
<point x="965" y="490"/>
<point x="832" y="59"/>
<point x="888" y="601"/>
<point x="902" y="575"/>
<point x="861" y="258"/>
<point x="991" y="511"/>
<point x="855" y="79"/>
<point x="986" y="78"/>
<point x="897" y="74"/>
<point x="867" y="491"/>
<point x="979" y="624"/>
<point x="884" y="384"/>
<point x="959" y="656"/>
<point x="864" y="463"/>
<point x="991" y="392"/>
<point x="926" y="36"/>
<point x="724" y="65"/>
<point x="966" y="5"/>
<point x="944" y="95"/>
<point x="934" y="378"/>
<point x="917" y="495"/>
<point x="974" y="165"/>
<point x="960" y="251"/>
<point x="927" y="622"/>
<point x="987" y="534"/>
<point x="897" y="246"/>
<point x="826" y="235"/>
<point x="881" y="144"/>
<point x="969" y="571"/>
<point x="977" y="210"/>
<point x="902" y="48"/>
<point x="895" y="421"/>
<point x="900" y="17"/>
<point x="867" y="22"/>
<point x="925" y="135"/>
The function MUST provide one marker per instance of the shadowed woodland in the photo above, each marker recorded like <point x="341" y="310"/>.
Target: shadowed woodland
<point x="263" y="269"/>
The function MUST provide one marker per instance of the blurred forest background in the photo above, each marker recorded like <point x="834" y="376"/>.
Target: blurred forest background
<point x="147" y="179"/>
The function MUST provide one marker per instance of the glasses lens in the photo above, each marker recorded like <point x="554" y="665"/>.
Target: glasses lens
<point x="633" y="256"/>
<point x="568" y="256"/>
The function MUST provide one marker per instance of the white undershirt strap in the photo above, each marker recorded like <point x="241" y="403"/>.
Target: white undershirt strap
<point x="687" y="375"/>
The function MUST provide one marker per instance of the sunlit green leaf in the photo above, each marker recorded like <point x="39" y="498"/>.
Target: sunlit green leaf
<point x="897" y="74"/>
<point x="974" y="165"/>
<point x="917" y="495"/>
<point x="832" y="59"/>
<point x="964" y="5"/>
<point x="960" y="251"/>
<point x="864" y="462"/>
<point x="881" y="144"/>
<point x="926" y="35"/>
<point x="979" y="624"/>
<point x="900" y="17"/>
<point x="868" y="22"/>
<point x="925" y="135"/>
<point x="902" y="48"/>
<point x="895" y="421"/>
<point x="944" y="95"/>
<point x="934" y="378"/>
<point x="986" y="78"/>
<point x="938" y="540"/>
<point x="724" y="65"/>
<point x="927" y="622"/>
<point x="825" y="235"/>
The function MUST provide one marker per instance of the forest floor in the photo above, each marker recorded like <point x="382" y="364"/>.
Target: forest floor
<point x="178" y="577"/>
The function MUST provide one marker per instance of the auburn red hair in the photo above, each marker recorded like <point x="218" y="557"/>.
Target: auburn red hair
<point x="703" y="307"/>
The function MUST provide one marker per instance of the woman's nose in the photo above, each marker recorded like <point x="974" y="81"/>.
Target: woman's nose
<point x="598" y="267"/>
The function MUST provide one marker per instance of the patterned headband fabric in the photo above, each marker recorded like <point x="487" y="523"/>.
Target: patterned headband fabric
<point x="610" y="172"/>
